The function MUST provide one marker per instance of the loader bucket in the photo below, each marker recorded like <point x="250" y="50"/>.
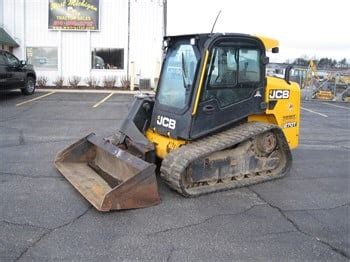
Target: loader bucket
<point x="110" y="178"/>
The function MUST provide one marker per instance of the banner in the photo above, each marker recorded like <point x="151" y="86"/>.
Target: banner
<point x="81" y="15"/>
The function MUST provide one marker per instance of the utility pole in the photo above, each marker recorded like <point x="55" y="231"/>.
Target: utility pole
<point x="165" y="17"/>
<point x="128" y="47"/>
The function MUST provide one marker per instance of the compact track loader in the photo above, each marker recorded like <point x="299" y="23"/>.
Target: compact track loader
<point x="216" y="123"/>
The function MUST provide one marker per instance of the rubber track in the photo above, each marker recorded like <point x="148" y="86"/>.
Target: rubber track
<point x="176" y="162"/>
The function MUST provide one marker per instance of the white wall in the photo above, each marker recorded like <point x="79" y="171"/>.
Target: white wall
<point x="9" y="8"/>
<point x="27" y="22"/>
<point x="146" y="26"/>
<point x="113" y="34"/>
<point x="1" y="12"/>
<point x="35" y="24"/>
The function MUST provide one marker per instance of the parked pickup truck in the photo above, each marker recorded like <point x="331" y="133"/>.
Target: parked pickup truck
<point x="16" y="74"/>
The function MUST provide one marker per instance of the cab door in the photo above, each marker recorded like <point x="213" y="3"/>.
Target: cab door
<point x="3" y="71"/>
<point x="233" y="87"/>
<point x="15" y="72"/>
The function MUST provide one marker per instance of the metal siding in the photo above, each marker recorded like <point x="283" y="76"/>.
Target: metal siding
<point x="1" y="12"/>
<point x="113" y="34"/>
<point x="146" y="25"/>
<point x="37" y="33"/>
<point x="75" y="54"/>
<point x="146" y="33"/>
<point x="113" y="25"/>
<point x="8" y="6"/>
<point x="8" y="18"/>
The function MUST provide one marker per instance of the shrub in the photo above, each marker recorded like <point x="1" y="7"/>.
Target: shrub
<point x="59" y="81"/>
<point x="74" y="81"/>
<point x="92" y="82"/>
<point x="109" y="81"/>
<point x="42" y="81"/>
<point x="125" y="82"/>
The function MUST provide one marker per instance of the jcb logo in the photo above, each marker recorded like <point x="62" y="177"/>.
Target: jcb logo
<point x="166" y="122"/>
<point x="279" y="94"/>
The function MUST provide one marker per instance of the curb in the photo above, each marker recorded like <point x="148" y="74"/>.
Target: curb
<point x="104" y="91"/>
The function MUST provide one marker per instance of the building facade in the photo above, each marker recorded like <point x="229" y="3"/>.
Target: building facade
<point x="87" y="38"/>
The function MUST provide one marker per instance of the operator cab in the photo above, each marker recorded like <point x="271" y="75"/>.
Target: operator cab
<point x="204" y="79"/>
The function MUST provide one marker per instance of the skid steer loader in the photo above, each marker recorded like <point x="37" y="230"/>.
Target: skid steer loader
<point x="215" y="123"/>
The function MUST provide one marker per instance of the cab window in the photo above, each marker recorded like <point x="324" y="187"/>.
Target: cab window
<point x="3" y="60"/>
<point x="177" y="76"/>
<point x="223" y="68"/>
<point x="12" y="61"/>
<point x="249" y="67"/>
<point x="233" y="74"/>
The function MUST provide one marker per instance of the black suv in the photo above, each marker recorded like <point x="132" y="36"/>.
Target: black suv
<point x="16" y="74"/>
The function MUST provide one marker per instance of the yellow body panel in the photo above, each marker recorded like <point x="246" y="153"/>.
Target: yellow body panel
<point x="286" y="112"/>
<point x="269" y="43"/>
<point x="163" y="144"/>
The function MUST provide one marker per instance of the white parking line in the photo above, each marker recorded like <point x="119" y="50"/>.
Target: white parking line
<point x="34" y="99"/>
<point x="103" y="100"/>
<point x="314" y="112"/>
<point x="348" y="108"/>
<point x="93" y="91"/>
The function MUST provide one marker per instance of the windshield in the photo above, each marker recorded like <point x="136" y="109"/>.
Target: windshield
<point x="177" y="76"/>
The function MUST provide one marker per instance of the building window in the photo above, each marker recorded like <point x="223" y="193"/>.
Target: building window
<point x="107" y="58"/>
<point x="43" y="57"/>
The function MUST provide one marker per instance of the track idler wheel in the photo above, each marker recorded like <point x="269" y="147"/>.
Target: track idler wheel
<point x="266" y="143"/>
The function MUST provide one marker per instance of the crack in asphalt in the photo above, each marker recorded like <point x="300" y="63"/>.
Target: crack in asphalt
<point x="25" y="251"/>
<point x="296" y="226"/>
<point x="24" y="224"/>
<point x="22" y="141"/>
<point x="10" y="127"/>
<point x="21" y="137"/>
<point x="323" y="147"/>
<point x="276" y="233"/>
<point x="35" y="142"/>
<point x="27" y="176"/>
<point x="316" y="178"/>
<point x="202" y="222"/>
<point x="298" y="176"/>
<point x="170" y="254"/>
<point x="317" y="219"/>
<point x="324" y="142"/>
<point x="316" y="209"/>
<point x="28" y="162"/>
<point x="15" y="116"/>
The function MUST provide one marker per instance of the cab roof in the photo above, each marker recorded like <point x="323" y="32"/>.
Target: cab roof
<point x="268" y="42"/>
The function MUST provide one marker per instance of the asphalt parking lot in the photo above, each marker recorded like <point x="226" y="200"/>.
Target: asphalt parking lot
<point x="302" y="217"/>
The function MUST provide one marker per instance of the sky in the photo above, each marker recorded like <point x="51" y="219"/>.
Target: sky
<point x="303" y="27"/>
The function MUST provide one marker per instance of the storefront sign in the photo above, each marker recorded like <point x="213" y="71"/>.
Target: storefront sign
<point x="80" y="15"/>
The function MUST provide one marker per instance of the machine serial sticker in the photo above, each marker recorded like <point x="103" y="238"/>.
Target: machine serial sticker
<point x="279" y="94"/>
<point x="289" y="117"/>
